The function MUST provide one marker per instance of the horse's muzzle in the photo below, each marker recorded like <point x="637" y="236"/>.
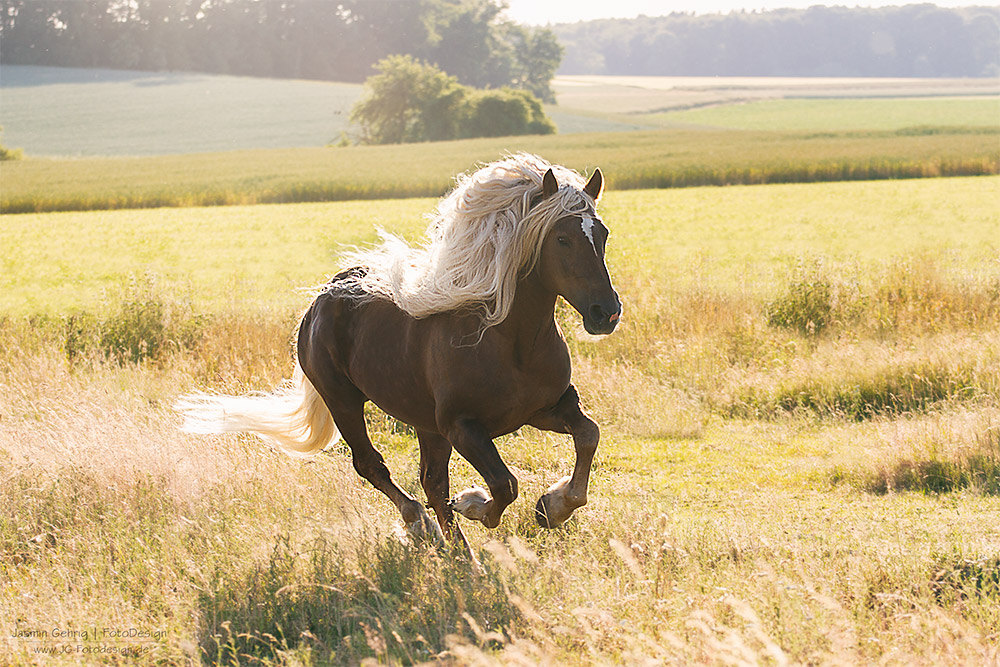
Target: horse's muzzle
<point x="602" y="318"/>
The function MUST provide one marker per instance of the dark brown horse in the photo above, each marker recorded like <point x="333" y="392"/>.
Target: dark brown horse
<point x="461" y="372"/>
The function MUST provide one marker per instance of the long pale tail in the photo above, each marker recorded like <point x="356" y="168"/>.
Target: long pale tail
<point x="293" y="417"/>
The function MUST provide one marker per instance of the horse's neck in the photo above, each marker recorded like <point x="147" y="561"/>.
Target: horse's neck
<point x="531" y="320"/>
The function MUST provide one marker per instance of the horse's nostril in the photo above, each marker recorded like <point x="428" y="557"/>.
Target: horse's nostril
<point x="597" y="313"/>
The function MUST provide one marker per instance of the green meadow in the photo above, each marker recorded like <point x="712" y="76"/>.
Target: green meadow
<point x="800" y="461"/>
<point x="126" y="113"/>
<point x="215" y="256"/>
<point x="253" y="255"/>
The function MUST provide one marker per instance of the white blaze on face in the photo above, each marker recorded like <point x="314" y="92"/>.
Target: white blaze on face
<point x="587" y="224"/>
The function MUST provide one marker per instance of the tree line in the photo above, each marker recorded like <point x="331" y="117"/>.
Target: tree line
<point x="340" y="40"/>
<point x="472" y="40"/>
<point x="910" y="41"/>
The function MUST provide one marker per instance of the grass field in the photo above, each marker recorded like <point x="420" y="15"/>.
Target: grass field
<point x="650" y="159"/>
<point x="740" y="236"/>
<point x="800" y="458"/>
<point x="839" y="114"/>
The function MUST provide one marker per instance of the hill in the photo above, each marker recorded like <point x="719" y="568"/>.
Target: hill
<point x="91" y="112"/>
<point x="78" y="112"/>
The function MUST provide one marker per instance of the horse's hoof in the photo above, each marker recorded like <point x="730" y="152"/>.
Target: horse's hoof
<point x="471" y="503"/>
<point x="425" y="529"/>
<point x="555" y="506"/>
<point x="541" y="515"/>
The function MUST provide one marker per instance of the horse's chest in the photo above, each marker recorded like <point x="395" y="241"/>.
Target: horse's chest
<point x="514" y="395"/>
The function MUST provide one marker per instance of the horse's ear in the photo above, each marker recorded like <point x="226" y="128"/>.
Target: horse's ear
<point x="595" y="186"/>
<point x="549" y="184"/>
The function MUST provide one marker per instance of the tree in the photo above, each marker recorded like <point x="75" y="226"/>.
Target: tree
<point x="340" y="41"/>
<point x="538" y="56"/>
<point x="468" y="44"/>
<point x="472" y="40"/>
<point x="409" y="101"/>
<point x="913" y="40"/>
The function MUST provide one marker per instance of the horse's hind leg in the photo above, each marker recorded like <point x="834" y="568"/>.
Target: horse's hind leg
<point x="370" y="465"/>
<point x="435" y="452"/>
<point x="562" y="498"/>
<point x="346" y="405"/>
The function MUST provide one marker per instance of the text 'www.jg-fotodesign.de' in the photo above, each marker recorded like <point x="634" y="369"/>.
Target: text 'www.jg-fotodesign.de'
<point x="91" y="640"/>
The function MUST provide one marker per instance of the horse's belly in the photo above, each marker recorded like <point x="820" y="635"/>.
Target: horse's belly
<point x="500" y="402"/>
<point x="503" y="399"/>
<point x="403" y="402"/>
<point x="387" y="373"/>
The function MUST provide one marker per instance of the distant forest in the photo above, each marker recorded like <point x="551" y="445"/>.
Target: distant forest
<point x="910" y="41"/>
<point x="308" y="39"/>
<point x="341" y="40"/>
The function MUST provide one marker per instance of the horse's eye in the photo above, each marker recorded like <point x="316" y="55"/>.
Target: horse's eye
<point x="562" y="240"/>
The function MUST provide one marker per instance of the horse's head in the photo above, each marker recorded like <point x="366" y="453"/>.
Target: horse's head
<point x="571" y="262"/>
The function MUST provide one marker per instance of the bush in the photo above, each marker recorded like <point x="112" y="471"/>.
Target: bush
<point x="141" y="326"/>
<point x="410" y="101"/>
<point x="503" y="113"/>
<point x="807" y="306"/>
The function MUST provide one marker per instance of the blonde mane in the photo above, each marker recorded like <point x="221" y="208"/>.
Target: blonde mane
<point x="485" y="236"/>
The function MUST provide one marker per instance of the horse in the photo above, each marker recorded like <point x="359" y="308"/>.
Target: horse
<point x="457" y="338"/>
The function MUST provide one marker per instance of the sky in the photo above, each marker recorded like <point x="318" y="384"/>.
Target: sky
<point x="539" y="12"/>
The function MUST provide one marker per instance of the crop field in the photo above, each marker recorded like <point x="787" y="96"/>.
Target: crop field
<point x="632" y="98"/>
<point x="122" y="113"/>
<point x="752" y="133"/>
<point x="838" y="114"/>
<point x="800" y="456"/>
<point x="632" y="160"/>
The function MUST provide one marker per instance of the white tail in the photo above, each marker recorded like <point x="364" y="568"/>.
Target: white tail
<point x="293" y="417"/>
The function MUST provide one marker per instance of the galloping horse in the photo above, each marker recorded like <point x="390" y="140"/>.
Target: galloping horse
<point x="456" y="338"/>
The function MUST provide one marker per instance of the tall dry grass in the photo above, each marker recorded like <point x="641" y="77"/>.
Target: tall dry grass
<point x="732" y="520"/>
<point x="232" y="554"/>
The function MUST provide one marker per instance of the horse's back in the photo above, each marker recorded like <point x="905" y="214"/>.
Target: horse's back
<point x="368" y="342"/>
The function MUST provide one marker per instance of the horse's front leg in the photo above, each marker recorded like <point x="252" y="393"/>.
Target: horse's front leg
<point x="473" y="442"/>
<point x="569" y="493"/>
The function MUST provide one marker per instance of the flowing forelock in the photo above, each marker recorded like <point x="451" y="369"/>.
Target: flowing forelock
<point x="486" y="235"/>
